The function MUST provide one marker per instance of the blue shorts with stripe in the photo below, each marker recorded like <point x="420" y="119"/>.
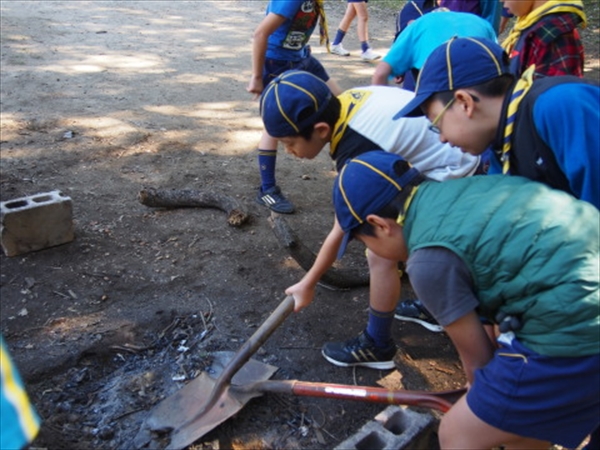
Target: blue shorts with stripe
<point x="275" y="67"/>
<point x="548" y="398"/>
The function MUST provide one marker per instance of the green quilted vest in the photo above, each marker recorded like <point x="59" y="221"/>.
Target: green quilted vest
<point x="532" y="252"/>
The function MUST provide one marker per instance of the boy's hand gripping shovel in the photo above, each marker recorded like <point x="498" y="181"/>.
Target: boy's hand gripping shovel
<point x="205" y="403"/>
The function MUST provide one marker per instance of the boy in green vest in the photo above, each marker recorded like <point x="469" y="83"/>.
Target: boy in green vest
<point x="511" y="250"/>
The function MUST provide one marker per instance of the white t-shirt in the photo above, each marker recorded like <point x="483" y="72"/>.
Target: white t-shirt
<point x="366" y="123"/>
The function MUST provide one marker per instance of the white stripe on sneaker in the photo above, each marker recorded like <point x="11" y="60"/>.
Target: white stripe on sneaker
<point x="268" y="199"/>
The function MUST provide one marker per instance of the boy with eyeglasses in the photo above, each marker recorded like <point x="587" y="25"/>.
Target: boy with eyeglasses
<point x="544" y="129"/>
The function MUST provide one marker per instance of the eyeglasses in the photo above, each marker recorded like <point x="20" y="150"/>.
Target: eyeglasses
<point x="434" y="127"/>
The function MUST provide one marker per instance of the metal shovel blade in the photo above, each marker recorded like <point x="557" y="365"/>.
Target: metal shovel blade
<point x="169" y="426"/>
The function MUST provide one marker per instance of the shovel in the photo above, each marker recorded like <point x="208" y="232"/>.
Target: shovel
<point x="205" y="403"/>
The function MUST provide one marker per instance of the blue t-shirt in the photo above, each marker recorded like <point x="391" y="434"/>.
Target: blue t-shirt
<point x="428" y="32"/>
<point x="288" y="42"/>
<point x="573" y="135"/>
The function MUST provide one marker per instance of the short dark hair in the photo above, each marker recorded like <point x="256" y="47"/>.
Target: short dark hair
<point x="496" y="87"/>
<point x="330" y="116"/>
<point x="395" y="207"/>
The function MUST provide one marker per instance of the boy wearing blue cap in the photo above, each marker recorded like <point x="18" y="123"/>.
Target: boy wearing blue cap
<point x="493" y="246"/>
<point x="280" y="44"/>
<point x="299" y="110"/>
<point x="473" y="102"/>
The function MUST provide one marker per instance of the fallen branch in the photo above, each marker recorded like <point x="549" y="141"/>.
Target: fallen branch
<point x="177" y="198"/>
<point x="339" y="278"/>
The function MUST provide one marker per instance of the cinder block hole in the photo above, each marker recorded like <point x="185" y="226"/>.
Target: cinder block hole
<point x="371" y="441"/>
<point x="17" y="204"/>
<point x="42" y="198"/>
<point x="397" y="423"/>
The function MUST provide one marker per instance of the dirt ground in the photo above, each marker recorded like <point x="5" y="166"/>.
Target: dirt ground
<point x="102" y="99"/>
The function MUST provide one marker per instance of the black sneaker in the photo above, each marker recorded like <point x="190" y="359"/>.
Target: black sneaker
<point x="414" y="311"/>
<point x="360" y="351"/>
<point x="273" y="198"/>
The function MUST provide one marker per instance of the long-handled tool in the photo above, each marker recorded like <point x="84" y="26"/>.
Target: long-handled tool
<point x="204" y="403"/>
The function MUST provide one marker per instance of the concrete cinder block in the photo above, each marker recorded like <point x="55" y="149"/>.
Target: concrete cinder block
<point x="36" y="222"/>
<point x="395" y="428"/>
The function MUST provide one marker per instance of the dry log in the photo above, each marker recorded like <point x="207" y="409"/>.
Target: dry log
<point x="177" y="198"/>
<point x="338" y="278"/>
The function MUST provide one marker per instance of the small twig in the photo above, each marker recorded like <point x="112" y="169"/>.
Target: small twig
<point x="294" y="347"/>
<point x="194" y="240"/>
<point x="128" y="413"/>
<point x="330" y="435"/>
<point x="442" y="369"/>
<point x="169" y="327"/>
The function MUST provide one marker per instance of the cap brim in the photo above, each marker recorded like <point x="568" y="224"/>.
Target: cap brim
<point x="345" y="241"/>
<point x="413" y="108"/>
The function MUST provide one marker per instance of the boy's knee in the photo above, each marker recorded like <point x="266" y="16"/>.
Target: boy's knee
<point x="448" y="433"/>
<point x="379" y="263"/>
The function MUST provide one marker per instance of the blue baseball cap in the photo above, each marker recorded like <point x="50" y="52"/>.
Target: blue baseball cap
<point x="365" y="185"/>
<point x="412" y="11"/>
<point x="293" y="101"/>
<point x="458" y="63"/>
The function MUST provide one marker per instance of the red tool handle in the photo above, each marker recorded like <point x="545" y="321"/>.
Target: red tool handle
<point x="376" y="395"/>
<point x="442" y="401"/>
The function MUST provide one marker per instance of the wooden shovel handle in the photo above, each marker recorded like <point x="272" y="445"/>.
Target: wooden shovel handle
<point x="241" y="357"/>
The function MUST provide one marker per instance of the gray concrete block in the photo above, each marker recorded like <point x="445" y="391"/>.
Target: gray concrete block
<point x="36" y="222"/>
<point x="395" y="428"/>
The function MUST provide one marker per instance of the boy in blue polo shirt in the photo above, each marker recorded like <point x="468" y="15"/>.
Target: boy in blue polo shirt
<point x="544" y="129"/>
<point x="280" y="44"/>
<point x="523" y="256"/>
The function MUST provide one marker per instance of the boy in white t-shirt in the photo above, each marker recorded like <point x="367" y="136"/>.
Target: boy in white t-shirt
<point x="299" y="110"/>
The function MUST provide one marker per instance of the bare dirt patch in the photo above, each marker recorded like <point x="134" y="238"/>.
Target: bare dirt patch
<point x="103" y="99"/>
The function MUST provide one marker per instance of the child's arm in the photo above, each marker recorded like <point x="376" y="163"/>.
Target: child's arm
<point x="381" y="74"/>
<point x="304" y="290"/>
<point x="268" y="25"/>
<point x="472" y="343"/>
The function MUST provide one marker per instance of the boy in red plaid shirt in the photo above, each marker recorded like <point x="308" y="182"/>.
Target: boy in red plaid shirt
<point x="545" y="34"/>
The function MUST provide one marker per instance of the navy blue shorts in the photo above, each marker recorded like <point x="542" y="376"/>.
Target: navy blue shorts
<point x="548" y="398"/>
<point x="275" y="67"/>
<point x="358" y="1"/>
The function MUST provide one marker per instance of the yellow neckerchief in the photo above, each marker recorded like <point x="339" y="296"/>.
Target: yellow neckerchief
<point x="16" y="396"/>
<point x="521" y="88"/>
<point x="323" y="29"/>
<point x="402" y="214"/>
<point x="550" y="7"/>
<point x="351" y="102"/>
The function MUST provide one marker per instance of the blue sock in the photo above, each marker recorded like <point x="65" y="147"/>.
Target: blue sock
<point x="266" y="166"/>
<point x="364" y="45"/>
<point x="379" y="327"/>
<point x="339" y="36"/>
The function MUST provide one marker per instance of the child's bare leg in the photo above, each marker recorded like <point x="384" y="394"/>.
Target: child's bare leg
<point x="360" y="10"/>
<point x="461" y="428"/>
<point x="384" y="290"/>
<point x="349" y="16"/>
<point x="267" y="142"/>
